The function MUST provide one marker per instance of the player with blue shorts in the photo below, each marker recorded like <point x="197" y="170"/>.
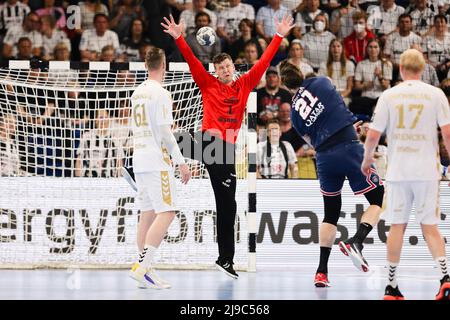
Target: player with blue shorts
<point x="320" y="116"/>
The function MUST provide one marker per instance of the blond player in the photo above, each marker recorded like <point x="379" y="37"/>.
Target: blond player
<point x="153" y="142"/>
<point x="410" y="113"/>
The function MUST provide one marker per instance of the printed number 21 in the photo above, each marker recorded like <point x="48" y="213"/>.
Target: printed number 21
<point x="303" y="107"/>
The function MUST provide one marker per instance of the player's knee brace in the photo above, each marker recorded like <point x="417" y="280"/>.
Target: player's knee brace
<point x="375" y="196"/>
<point x="332" y="206"/>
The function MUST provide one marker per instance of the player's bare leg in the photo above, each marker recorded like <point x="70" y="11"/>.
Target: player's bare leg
<point x="145" y="221"/>
<point x="394" y="242"/>
<point x="394" y="246"/>
<point x="327" y="234"/>
<point x="371" y="215"/>
<point x="436" y="245"/>
<point x="142" y="271"/>
<point x="158" y="228"/>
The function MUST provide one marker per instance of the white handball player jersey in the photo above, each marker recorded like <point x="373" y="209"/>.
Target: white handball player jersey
<point x="410" y="113"/>
<point x="152" y="108"/>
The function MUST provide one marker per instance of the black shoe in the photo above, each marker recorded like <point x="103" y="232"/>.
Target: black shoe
<point x="353" y="250"/>
<point x="227" y="267"/>
<point x="128" y="174"/>
<point x="444" y="290"/>
<point x="392" y="293"/>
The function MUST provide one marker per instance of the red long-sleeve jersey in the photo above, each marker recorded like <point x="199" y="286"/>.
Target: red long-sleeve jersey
<point x="224" y="104"/>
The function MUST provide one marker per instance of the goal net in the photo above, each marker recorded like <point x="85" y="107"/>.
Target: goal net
<point x="64" y="134"/>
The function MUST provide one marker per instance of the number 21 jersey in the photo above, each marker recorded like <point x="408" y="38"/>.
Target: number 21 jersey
<point x="318" y="111"/>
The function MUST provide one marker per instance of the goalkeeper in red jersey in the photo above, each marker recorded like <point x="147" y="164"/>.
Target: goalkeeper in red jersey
<point x="224" y="102"/>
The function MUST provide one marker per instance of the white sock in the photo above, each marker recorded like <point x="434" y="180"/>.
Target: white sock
<point x="146" y="256"/>
<point x="442" y="265"/>
<point x="391" y="274"/>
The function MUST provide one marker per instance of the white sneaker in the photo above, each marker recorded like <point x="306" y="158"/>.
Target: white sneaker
<point x="353" y="250"/>
<point x="152" y="281"/>
<point x="137" y="272"/>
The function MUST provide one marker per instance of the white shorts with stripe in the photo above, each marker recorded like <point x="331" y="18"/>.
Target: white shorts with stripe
<point x="400" y="197"/>
<point x="156" y="191"/>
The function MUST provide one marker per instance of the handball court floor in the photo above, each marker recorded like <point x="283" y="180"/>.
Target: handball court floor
<point x="418" y="283"/>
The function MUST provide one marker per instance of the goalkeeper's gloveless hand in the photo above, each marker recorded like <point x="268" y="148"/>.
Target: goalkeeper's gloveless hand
<point x="284" y="26"/>
<point x="170" y="27"/>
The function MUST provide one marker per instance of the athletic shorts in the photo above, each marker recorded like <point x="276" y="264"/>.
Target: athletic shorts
<point x="344" y="161"/>
<point x="400" y="197"/>
<point x="156" y="191"/>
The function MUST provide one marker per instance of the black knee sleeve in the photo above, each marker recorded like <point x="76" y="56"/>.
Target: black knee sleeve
<point x="332" y="206"/>
<point x="375" y="196"/>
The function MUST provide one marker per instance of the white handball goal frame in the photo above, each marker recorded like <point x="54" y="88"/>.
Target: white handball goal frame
<point x="87" y="218"/>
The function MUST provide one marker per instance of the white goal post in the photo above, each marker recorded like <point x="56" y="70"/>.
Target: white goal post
<point x="64" y="134"/>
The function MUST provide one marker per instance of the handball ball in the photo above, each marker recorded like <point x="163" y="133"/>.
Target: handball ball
<point x="206" y="36"/>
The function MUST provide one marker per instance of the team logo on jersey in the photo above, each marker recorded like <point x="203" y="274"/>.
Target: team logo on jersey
<point x="165" y="188"/>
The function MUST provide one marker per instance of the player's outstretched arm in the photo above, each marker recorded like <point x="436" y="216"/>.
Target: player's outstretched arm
<point x="176" y="31"/>
<point x="283" y="28"/>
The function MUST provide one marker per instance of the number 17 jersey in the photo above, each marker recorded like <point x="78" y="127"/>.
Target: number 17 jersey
<point x="318" y="111"/>
<point x="151" y="108"/>
<point x="410" y="113"/>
